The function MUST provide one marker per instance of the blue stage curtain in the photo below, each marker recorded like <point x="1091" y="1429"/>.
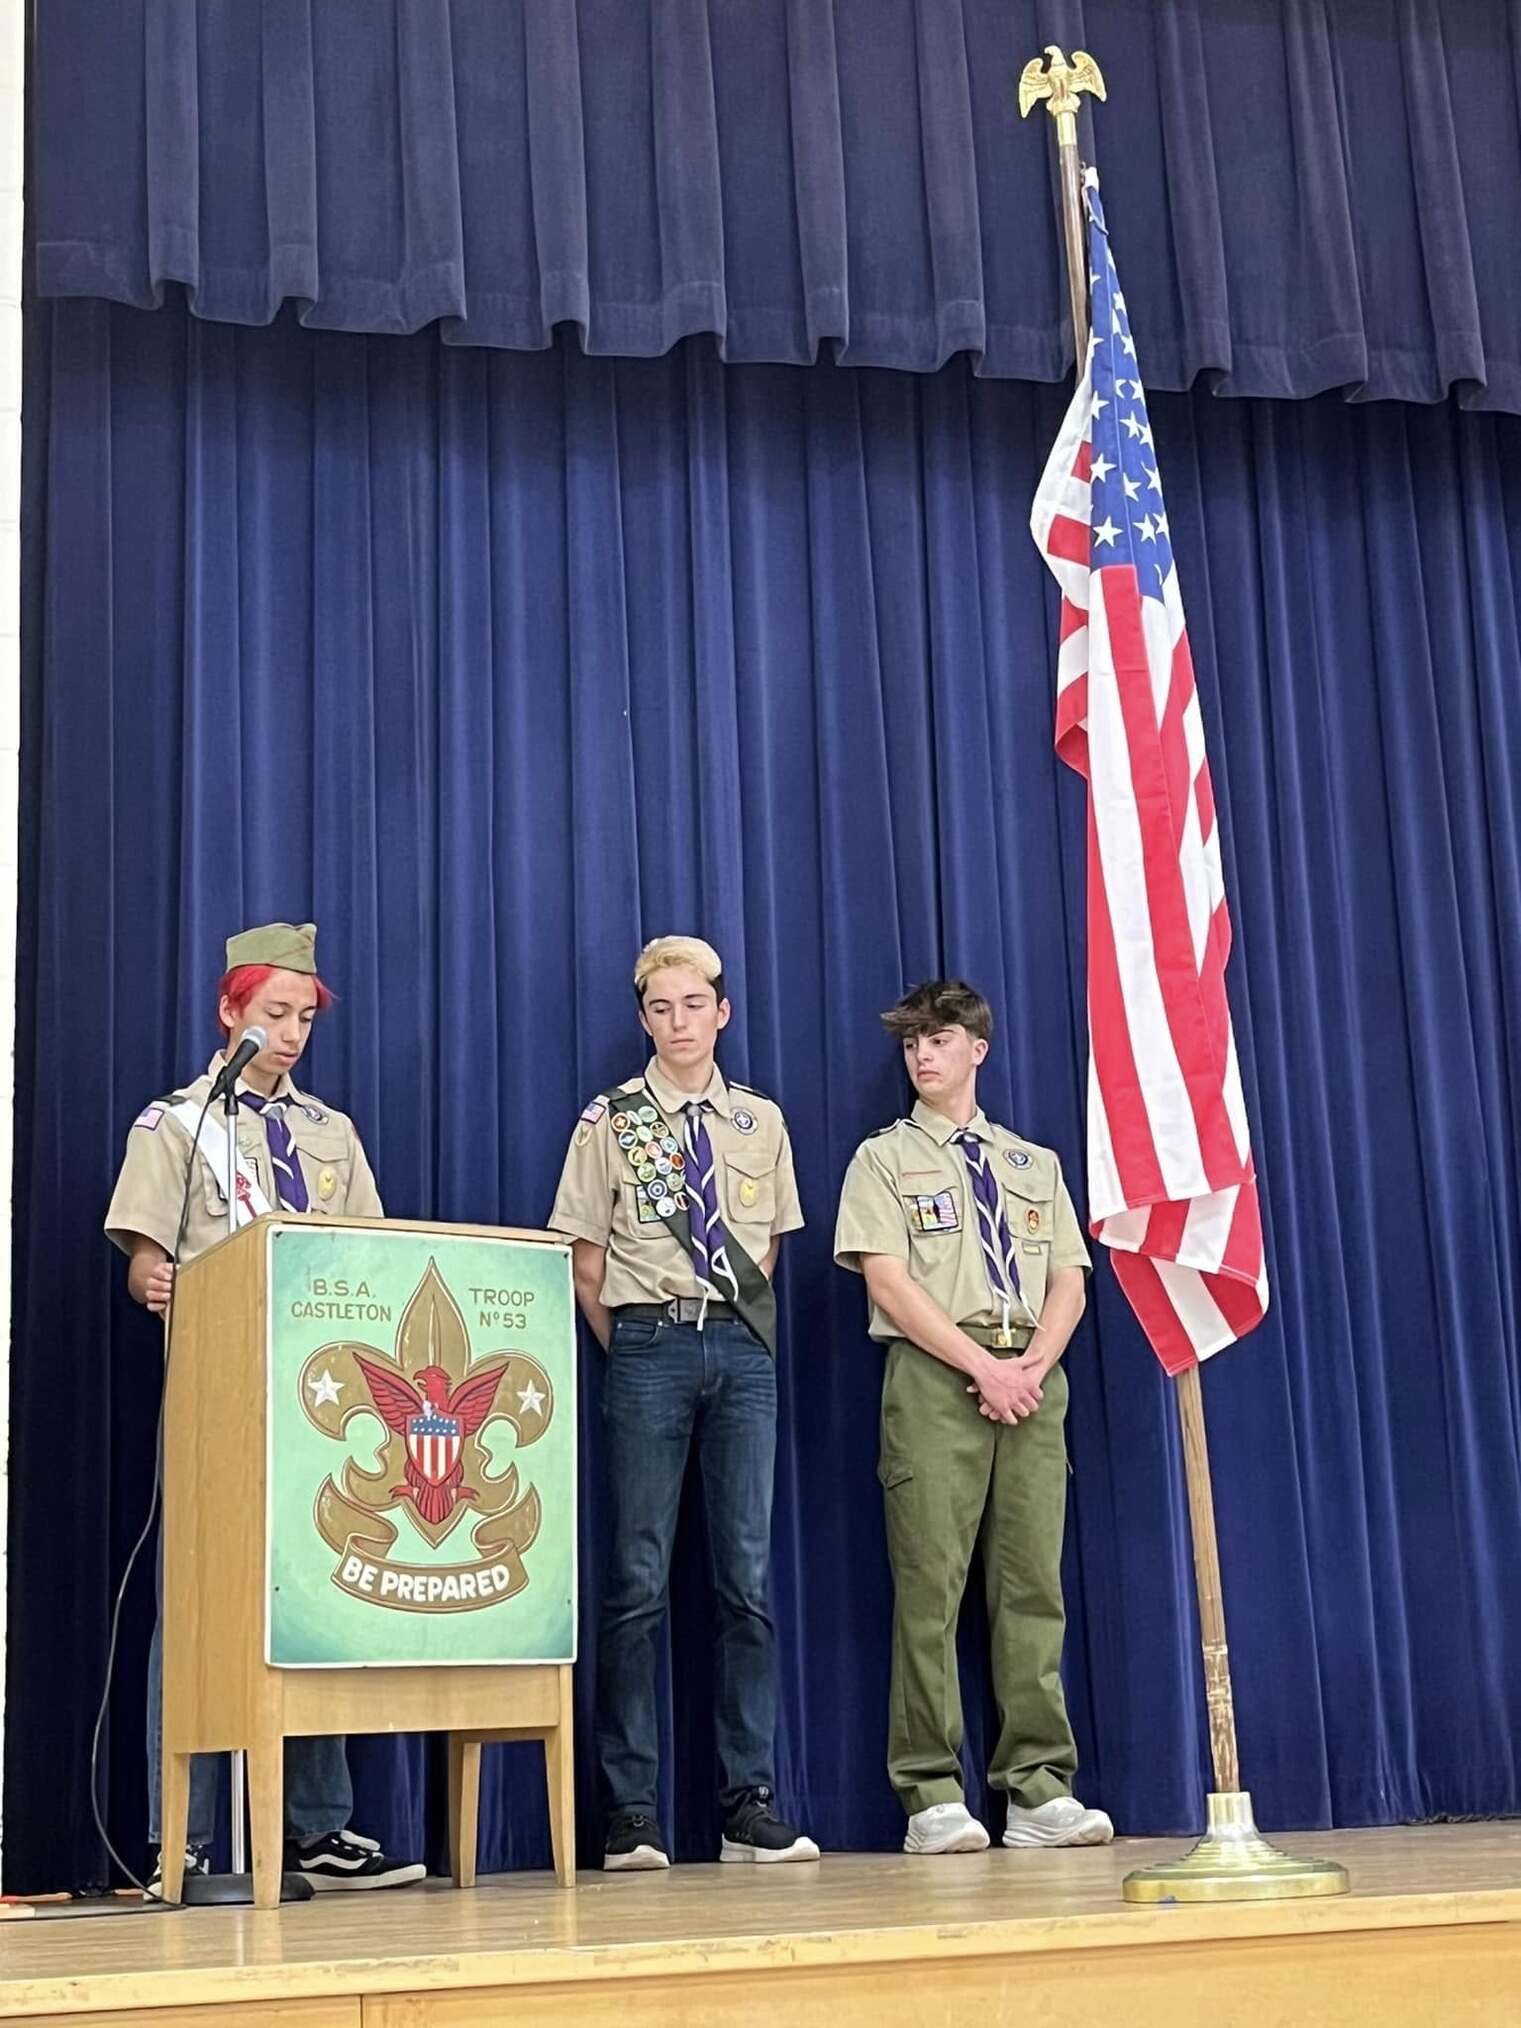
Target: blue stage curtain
<point x="1305" y="197"/>
<point x="498" y="663"/>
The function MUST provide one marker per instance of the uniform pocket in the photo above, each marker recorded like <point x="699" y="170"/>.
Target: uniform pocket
<point x="327" y="1180"/>
<point x="750" y="1187"/>
<point x="634" y="1334"/>
<point x="892" y="1471"/>
<point x="1031" y="1211"/>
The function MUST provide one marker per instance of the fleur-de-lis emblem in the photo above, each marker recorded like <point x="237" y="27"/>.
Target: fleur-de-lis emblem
<point x="434" y="1404"/>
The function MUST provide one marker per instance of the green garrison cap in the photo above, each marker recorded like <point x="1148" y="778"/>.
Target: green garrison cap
<point x="291" y="946"/>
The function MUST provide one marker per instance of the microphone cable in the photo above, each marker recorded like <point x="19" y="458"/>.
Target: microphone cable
<point x="154" y="1502"/>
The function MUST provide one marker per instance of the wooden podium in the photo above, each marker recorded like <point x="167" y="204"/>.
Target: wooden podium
<point x="220" y="1691"/>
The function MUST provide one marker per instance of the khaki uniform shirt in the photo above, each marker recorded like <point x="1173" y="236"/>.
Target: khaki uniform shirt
<point x="908" y="1194"/>
<point x="599" y="1197"/>
<point x="151" y="1185"/>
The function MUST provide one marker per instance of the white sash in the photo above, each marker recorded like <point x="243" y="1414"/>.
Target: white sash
<point x="252" y="1203"/>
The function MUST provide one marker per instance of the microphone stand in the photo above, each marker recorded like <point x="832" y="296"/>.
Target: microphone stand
<point x="238" y="1800"/>
<point x="236" y="1888"/>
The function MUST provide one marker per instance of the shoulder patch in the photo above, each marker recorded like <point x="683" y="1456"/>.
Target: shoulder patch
<point x="592" y="1113"/>
<point x="149" y="1118"/>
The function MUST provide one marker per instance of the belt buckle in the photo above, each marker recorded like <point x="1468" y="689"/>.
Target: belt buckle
<point x="1003" y="1341"/>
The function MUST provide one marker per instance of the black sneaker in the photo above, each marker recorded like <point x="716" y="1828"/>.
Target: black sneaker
<point x="633" y="1844"/>
<point x="344" y="1859"/>
<point x="755" y="1831"/>
<point x="197" y="1860"/>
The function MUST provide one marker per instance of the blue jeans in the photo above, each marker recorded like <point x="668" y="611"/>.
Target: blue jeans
<point x="666" y="1386"/>
<point x="318" y="1794"/>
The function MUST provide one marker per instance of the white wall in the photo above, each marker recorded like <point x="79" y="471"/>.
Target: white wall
<point x="11" y="74"/>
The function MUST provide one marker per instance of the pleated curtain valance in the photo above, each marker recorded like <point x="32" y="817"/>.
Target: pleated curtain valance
<point x="1305" y="194"/>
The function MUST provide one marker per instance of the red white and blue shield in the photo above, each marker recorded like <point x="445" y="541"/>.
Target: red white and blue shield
<point x="433" y="1442"/>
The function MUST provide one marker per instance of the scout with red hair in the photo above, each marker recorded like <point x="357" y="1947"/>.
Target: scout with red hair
<point x="295" y="1154"/>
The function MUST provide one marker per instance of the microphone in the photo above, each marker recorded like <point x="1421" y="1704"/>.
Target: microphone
<point x="250" y="1042"/>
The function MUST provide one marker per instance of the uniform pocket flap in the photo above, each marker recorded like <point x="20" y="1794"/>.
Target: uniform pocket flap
<point x="754" y="1162"/>
<point x="319" y="1144"/>
<point x="1035" y="1183"/>
<point x="894" y="1472"/>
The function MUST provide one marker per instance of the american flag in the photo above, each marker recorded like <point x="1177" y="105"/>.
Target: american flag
<point x="1171" y="1187"/>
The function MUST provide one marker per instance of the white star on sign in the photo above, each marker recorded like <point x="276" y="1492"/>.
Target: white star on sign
<point x="325" y="1388"/>
<point x="531" y="1400"/>
<point x="1106" y="531"/>
<point x="1102" y="467"/>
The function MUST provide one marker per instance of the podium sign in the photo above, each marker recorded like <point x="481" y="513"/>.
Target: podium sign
<point x="421" y="1449"/>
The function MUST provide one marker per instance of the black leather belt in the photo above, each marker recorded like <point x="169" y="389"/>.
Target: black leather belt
<point x="679" y="1310"/>
<point x="1015" y="1339"/>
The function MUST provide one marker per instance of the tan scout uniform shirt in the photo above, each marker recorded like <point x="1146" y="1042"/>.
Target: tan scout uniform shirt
<point x="151" y="1185"/>
<point x="598" y="1198"/>
<point x="908" y="1194"/>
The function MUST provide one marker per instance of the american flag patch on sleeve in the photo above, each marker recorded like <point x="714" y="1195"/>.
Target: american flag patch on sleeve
<point x="592" y="1113"/>
<point x="149" y="1118"/>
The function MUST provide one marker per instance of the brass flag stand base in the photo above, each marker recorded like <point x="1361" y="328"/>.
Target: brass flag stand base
<point x="1234" y="1862"/>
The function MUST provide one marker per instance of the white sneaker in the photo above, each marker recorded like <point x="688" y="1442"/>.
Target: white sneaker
<point x="1062" y="1821"/>
<point x="945" y="1827"/>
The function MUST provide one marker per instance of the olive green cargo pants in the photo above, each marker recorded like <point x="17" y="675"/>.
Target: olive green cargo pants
<point x="950" y="1478"/>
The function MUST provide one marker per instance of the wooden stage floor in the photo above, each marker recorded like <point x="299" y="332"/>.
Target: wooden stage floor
<point x="1431" y="1934"/>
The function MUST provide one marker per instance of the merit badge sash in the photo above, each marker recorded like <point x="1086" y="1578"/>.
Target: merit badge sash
<point x="252" y="1203"/>
<point x="654" y="1155"/>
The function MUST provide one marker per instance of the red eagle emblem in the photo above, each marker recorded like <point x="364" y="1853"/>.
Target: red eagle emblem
<point x="434" y="1425"/>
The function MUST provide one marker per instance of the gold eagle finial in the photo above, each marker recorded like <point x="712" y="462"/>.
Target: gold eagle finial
<point x="1062" y="84"/>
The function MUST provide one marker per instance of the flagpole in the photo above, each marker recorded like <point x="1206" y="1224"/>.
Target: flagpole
<point x="1232" y="1861"/>
<point x="1219" y="1699"/>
